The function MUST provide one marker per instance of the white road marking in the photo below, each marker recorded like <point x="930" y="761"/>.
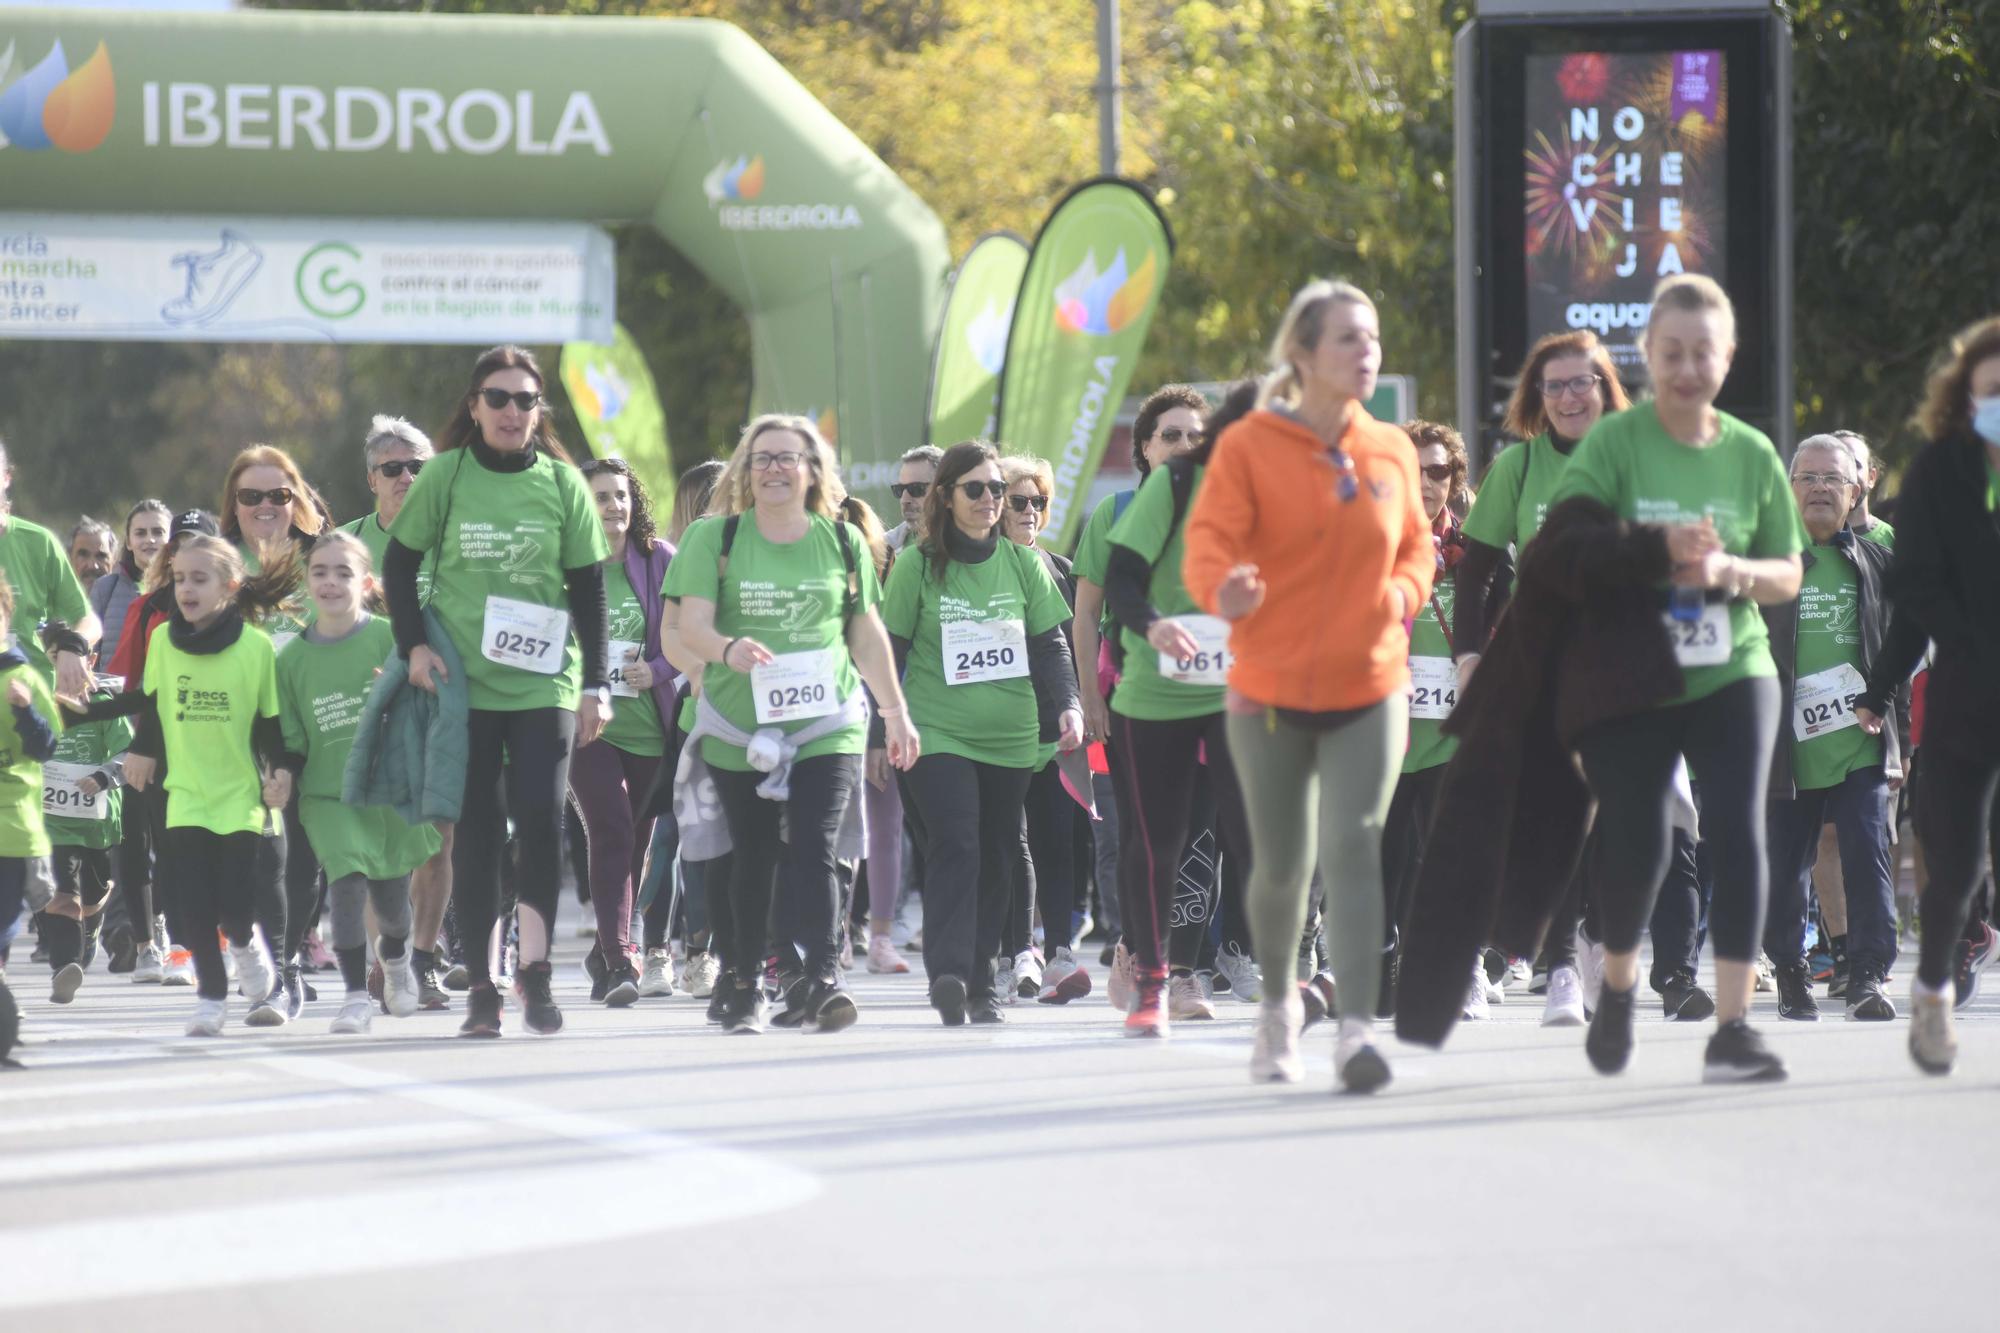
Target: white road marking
<point x="71" y="1121"/>
<point x="241" y="1150"/>
<point x="43" y="1091"/>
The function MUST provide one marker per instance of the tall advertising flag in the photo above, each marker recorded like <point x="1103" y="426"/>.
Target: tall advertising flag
<point x="1093" y="282"/>
<point x="618" y="407"/>
<point x="972" y="345"/>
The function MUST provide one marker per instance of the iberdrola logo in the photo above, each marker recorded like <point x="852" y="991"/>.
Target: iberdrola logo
<point x="50" y="107"/>
<point x="735" y="182"/>
<point x="1104" y="302"/>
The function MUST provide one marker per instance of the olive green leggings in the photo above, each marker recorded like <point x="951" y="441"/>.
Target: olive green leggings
<point x="1350" y="773"/>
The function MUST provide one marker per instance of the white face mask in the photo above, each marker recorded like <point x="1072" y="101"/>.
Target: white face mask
<point x="1986" y="419"/>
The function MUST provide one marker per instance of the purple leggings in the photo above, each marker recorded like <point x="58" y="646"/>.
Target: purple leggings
<point x="610" y="785"/>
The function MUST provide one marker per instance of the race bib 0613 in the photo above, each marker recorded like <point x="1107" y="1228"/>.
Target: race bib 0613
<point x="1211" y="660"/>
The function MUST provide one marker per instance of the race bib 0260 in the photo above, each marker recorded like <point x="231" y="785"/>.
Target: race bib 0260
<point x="983" y="650"/>
<point x="1704" y="640"/>
<point x="1433" y="688"/>
<point x="792" y="686"/>
<point x="523" y="635"/>
<point x="1210" y="663"/>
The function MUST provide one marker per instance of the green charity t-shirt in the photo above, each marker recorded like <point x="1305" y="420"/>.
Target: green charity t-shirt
<point x="322" y="688"/>
<point x="635" y="720"/>
<point x="791" y="597"/>
<point x="1630" y="463"/>
<point x="290" y="620"/>
<point x="208" y="703"/>
<point x="502" y="541"/>
<point x="990" y="721"/>
<point x="44" y="584"/>
<point x="1093" y="548"/>
<point x="22" y="830"/>
<point x="376" y="538"/>
<point x="83" y="749"/>
<point x="1829" y="636"/>
<point x="1514" y="498"/>
<point x="1142" y="691"/>
<point x="1435" y="677"/>
<point x="1880" y="533"/>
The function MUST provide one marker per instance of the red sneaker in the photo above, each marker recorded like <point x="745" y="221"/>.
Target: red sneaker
<point x="1148" y="1016"/>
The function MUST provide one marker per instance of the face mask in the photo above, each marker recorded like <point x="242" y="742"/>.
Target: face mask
<point x="1986" y="419"/>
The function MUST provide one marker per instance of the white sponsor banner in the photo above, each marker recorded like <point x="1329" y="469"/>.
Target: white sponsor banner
<point x="177" y="279"/>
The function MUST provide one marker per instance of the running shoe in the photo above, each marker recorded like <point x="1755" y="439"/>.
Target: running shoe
<point x="658" y="978"/>
<point x="622" y="986"/>
<point x="1795" y="994"/>
<point x="457" y="977"/>
<point x="1683" y="1000"/>
<point x="1185" y="1002"/>
<point x="1148" y="1016"/>
<point x="121" y="948"/>
<point x="1589" y="968"/>
<point x="534" y="982"/>
<point x="1122" y="987"/>
<point x="1737" y="1054"/>
<point x="829" y="1007"/>
<point x="1239" y="969"/>
<point x="207" y="1020"/>
<point x="64" y="984"/>
<point x="1519" y="973"/>
<point x="1324" y="994"/>
<point x="703" y="968"/>
<point x="376" y="980"/>
<point x="1609" y="1041"/>
<point x="982" y="1009"/>
<point x="356" y="1016"/>
<point x="1564" y="1006"/>
<point x="147" y="968"/>
<point x="1820" y="963"/>
<point x="847" y="950"/>
<point x="1064" y="979"/>
<point x="792" y="988"/>
<point x="268" y="1012"/>
<point x="431" y="993"/>
<point x="294" y="987"/>
<point x="744" y="1010"/>
<point x="1867" y="998"/>
<point x="1027" y="975"/>
<point x="948" y="998"/>
<point x="1489" y="987"/>
<point x="1356" y="1063"/>
<point x="1312" y="1005"/>
<point x="177" y="969"/>
<point x="1932" y="1043"/>
<point x="1767" y="975"/>
<point x="718" y="995"/>
<point x="318" y="958"/>
<point x="401" y="993"/>
<point x="1003" y="980"/>
<point x="1274" y="1055"/>
<point x="1478" y="996"/>
<point x="482" y="1011"/>
<point x="599" y="975"/>
<point x="1538" y="981"/>
<point x="1385" y="987"/>
<point x="1974" y="957"/>
<point x="884" y="959"/>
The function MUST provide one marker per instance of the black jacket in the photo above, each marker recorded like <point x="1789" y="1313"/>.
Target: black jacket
<point x="1870" y="563"/>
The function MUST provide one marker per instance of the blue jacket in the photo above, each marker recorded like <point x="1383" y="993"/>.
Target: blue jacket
<point x="409" y="753"/>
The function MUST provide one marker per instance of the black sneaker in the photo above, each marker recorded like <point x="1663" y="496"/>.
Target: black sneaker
<point x="1836" y="988"/>
<point x="828" y="1007"/>
<point x="621" y="986"/>
<point x="984" y="1010"/>
<point x="1609" y="1041"/>
<point x="431" y="993"/>
<point x="1683" y="1000"/>
<point x="1795" y="993"/>
<point x="532" y="982"/>
<point x="1385" y="998"/>
<point x="718" y="995"/>
<point x="1973" y="957"/>
<point x="122" y="947"/>
<point x="744" y="1011"/>
<point x="1736" y="1054"/>
<point x="948" y="998"/>
<point x="482" y="1011"/>
<point x="1867" y="999"/>
<point x="1314" y="1002"/>
<point x="796" y="990"/>
<point x="600" y="977"/>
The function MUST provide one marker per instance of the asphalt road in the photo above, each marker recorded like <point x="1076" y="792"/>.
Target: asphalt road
<point x="900" y="1175"/>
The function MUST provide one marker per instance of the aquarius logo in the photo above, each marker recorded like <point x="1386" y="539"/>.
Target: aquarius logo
<point x="986" y="335"/>
<point x="736" y="182"/>
<point x="50" y="107"/>
<point x="1103" y="303"/>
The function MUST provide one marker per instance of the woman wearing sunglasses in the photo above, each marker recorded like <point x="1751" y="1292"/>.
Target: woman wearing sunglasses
<point x="517" y="555"/>
<point x="1309" y="538"/>
<point x="977" y="625"/>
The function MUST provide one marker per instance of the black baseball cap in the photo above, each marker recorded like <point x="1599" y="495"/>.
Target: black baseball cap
<point x="194" y="520"/>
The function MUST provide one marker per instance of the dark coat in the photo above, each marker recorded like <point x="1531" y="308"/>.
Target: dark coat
<point x="1582" y="642"/>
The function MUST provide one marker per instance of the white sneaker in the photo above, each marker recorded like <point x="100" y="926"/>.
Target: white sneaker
<point x="1063" y="979"/>
<point x="1932" y="1044"/>
<point x="1028" y="975"/>
<point x="207" y="1020"/>
<point x="1185" y="1000"/>
<point x="357" y="1011"/>
<point x="1274" y="1056"/>
<point x="1767" y="976"/>
<point x="399" y="985"/>
<point x="1477" y="1007"/>
<point x="1518" y="976"/>
<point x="1489" y="987"/>
<point x="146" y="966"/>
<point x="885" y="958"/>
<point x="177" y="968"/>
<point x="63" y="986"/>
<point x="254" y="970"/>
<point x="1589" y="970"/>
<point x="1246" y="983"/>
<point x="1122" y="989"/>
<point x="1003" y="981"/>
<point x="702" y="970"/>
<point x="1564" y="1006"/>
<point x="1356" y="1062"/>
<point x="658" y="977"/>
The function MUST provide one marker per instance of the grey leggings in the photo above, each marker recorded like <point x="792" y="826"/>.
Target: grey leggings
<point x="351" y="894"/>
<point x="1350" y="774"/>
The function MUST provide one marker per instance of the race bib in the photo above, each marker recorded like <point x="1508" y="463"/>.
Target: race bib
<point x="795" y="685"/>
<point x="63" y="795"/>
<point x="982" y="650"/>
<point x="1433" y="687"/>
<point x="1210" y="663"/>
<point x="623" y="653"/>
<point x="1702" y="642"/>
<point x="523" y="635"/>
<point x="1823" y="702"/>
<point x="110" y="684"/>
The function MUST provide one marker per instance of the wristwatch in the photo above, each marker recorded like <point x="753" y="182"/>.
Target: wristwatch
<point x="603" y="696"/>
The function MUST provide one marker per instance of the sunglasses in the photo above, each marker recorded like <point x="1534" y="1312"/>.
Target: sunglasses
<point x="277" y="495"/>
<point x="1439" y="471"/>
<point x="396" y="467"/>
<point x="1175" y="435"/>
<point x="1021" y="504"/>
<point x="974" y="489"/>
<point x="1343" y="467"/>
<point x="499" y="398"/>
<point x="913" y="489"/>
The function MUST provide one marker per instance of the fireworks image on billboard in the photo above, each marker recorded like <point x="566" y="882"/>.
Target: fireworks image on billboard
<point x="1625" y="176"/>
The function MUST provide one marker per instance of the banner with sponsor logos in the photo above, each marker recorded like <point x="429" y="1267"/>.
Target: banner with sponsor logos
<point x="210" y="279"/>
<point x="617" y="405"/>
<point x="1093" y="282"/>
<point x="972" y="344"/>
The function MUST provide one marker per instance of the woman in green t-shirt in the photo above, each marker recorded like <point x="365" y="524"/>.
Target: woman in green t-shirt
<point x="517" y="584"/>
<point x="1718" y="493"/>
<point x="977" y="623"/>
<point x="777" y="604"/>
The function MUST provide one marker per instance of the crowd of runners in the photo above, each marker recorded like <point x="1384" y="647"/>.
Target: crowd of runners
<point x="1307" y="724"/>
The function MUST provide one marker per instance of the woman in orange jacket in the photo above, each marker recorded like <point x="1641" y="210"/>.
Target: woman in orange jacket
<point x="1309" y="538"/>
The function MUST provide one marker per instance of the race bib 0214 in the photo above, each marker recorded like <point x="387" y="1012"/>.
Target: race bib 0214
<point x="1433" y="688"/>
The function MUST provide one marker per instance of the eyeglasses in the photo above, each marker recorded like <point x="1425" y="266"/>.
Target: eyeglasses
<point x="1021" y="504"/>
<point x="396" y="467"/>
<point x="1439" y="471"/>
<point x="1175" y="435"/>
<point x="499" y="398"/>
<point x="1343" y="467"/>
<point x="913" y="489"/>
<point x="974" y="489"/>
<point x="1809" y="480"/>
<point x="785" y="462"/>
<point x="250" y="499"/>
<point x="1580" y="385"/>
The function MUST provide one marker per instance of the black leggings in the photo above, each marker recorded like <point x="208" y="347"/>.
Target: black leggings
<point x="209" y="878"/>
<point x="1629" y="761"/>
<point x="800" y="870"/>
<point x="135" y="863"/>
<point x="1046" y="871"/>
<point x="1404" y="835"/>
<point x="86" y="872"/>
<point x="516" y="762"/>
<point x="1961" y="771"/>
<point x="968" y="817"/>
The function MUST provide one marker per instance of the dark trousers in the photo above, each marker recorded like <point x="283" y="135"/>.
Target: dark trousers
<point x="1404" y="835"/>
<point x="1858" y="809"/>
<point x="1680" y="913"/>
<point x="968" y="816"/>
<point x="1961" y="771"/>
<point x="86" y="872"/>
<point x="610" y="786"/>
<point x="1046" y="874"/>
<point x="135" y="864"/>
<point x="210" y="875"/>
<point x="799" y="867"/>
<point x="518" y="763"/>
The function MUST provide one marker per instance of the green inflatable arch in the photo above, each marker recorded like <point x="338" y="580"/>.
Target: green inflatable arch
<point x="686" y="124"/>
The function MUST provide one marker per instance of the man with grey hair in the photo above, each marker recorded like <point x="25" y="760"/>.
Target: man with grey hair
<point x="914" y="473"/>
<point x="1864" y="523"/>
<point x="93" y="547"/>
<point x="45" y="589"/>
